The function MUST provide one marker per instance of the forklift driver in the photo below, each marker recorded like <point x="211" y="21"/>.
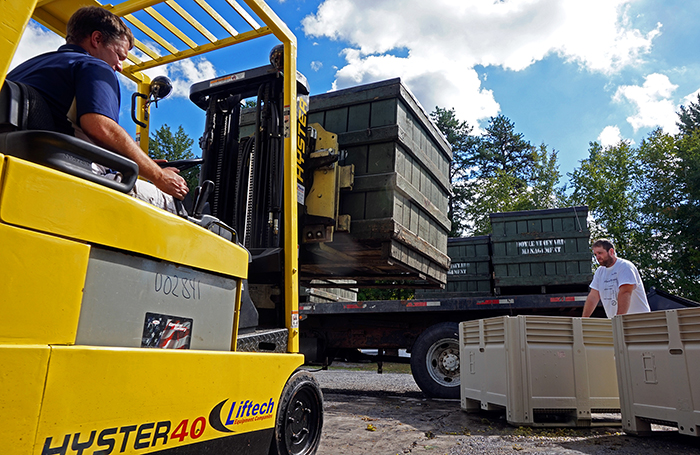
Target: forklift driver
<point x="80" y="86"/>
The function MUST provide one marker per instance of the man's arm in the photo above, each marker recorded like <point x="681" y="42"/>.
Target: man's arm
<point x="591" y="302"/>
<point x="624" y="296"/>
<point x="107" y="133"/>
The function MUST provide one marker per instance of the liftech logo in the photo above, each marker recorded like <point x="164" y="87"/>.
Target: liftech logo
<point x="246" y="411"/>
<point x="222" y="418"/>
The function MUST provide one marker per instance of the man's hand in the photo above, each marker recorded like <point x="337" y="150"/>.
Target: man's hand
<point x="591" y="302"/>
<point x="171" y="183"/>
<point x="107" y="133"/>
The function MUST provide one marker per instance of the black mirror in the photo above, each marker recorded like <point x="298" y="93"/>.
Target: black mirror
<point x="161" y="87"/>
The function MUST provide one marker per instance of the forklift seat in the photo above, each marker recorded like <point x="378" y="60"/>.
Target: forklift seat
<point x="27" y="131"/>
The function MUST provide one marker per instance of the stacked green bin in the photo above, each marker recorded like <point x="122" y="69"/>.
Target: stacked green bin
<point x="398" y="205"/>
<point x="470" y="270"/>
<point x="541" y="250"/>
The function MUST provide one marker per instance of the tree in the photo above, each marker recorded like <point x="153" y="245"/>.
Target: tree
<point x="495" y="172"/>
<point x="502" y="192"/>
<point x="647" y="200"/>
<point x="689" y="118"/>
<point x="385" y="292"/>
<point x="544" y="179"/>
<point x="459" y="136"/>
<point x="687" y="260"/>
<point x="166" y="146"/>
<point x="501" y="149"/>
<point x="605" y="182"/>
<point x="507" y="173"/>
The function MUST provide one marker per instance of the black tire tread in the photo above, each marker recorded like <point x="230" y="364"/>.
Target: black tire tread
<point x="299" y="379"/>
<point x="419" y="352"/>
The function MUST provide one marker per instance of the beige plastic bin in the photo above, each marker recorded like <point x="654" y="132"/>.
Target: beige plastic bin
<point x="658" y="363"/>
<point x="544" y="370"/>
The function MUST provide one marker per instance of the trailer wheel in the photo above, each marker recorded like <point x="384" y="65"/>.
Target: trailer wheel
<point x="435" y="361"/>
<point x="299" y="417"/>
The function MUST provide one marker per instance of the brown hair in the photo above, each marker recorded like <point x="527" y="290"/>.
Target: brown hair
<point x="604" y="243"/>
<point x="90" y="19"/>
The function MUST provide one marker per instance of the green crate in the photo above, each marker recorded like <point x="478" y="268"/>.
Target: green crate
<point x="470" y="269"/>
<point x="541" y="248"/>
<point x="384" y="113"/>
<point x="399" y="202"/>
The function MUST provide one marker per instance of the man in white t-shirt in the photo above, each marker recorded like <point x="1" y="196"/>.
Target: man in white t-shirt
<point x="616" y="283"/>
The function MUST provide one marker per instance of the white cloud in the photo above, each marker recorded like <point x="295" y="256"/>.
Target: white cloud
<point x="653" y="103"/>
<point x="35" y="41"/>
<point x="443" y="40"/>
<point x="184" y="73"/>
<point x="692" y="98"/>
<point x="430" y="85"/>
<point x="610" y="136"/>
<point x="315" y="65"/>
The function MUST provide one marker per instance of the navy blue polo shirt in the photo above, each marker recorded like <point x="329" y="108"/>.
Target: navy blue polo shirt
<point x="71" y="75"/>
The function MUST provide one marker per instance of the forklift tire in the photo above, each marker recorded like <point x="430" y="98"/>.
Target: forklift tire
<point x="435" y="361"/>
<point x="299" y="417"/>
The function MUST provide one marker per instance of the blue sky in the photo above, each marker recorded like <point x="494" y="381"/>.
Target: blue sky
<point x="565" y="72"/>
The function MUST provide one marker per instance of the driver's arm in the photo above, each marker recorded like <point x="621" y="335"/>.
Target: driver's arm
<point x="107" y="133"/>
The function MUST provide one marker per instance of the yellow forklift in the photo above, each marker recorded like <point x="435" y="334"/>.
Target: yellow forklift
<point x="127" y="329"/>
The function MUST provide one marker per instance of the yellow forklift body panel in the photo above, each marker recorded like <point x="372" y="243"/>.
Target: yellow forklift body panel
<point x="91" y="213"/>
<point x="42" y="286"/>
<point x="22" y="376"/>
<point x="241" y="397"/>
<point x="178" y="407"/>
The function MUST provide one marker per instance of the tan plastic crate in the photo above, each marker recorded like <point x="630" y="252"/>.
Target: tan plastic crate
<point x="658" y="364"/>
<point x="544" y="370"/>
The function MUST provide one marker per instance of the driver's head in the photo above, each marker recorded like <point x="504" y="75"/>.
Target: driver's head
<point x="89" y="19"/>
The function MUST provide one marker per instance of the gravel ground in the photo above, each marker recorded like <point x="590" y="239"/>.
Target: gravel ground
<point x="368" y="413"/>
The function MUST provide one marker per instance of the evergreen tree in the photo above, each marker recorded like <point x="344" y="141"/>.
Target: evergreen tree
<point x="498" y="171"/>
<point x="689" y="118"/>
<point x="501" y="149"/>
<point x="166" y="146"/>
<point x="459" y="136"/>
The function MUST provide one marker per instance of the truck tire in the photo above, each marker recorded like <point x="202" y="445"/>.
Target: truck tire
<point x="435" y="361"/>
<point x="299" y="417"/>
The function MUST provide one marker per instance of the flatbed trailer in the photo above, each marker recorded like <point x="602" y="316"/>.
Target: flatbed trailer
<point x="426" y="328"/>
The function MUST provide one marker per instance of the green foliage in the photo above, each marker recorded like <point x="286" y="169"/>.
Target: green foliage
<point x="385" y="293"/>
<point x="498" y="171"/>
<point x="605" y="182"/>
<point x="544" y="178"/>
<point x="164" y="145"/>
<point x="687" y="261"/>
<point x="501" y="151"/>
<point x="647" y="200"/>
<point x="502" y="172"/>
<point x="689" y="117"/>
<point x="502" y="192"/>
<point x="459" y="136"/>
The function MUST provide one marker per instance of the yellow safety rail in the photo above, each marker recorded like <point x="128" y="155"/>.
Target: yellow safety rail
<point x="54" y="14"/>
